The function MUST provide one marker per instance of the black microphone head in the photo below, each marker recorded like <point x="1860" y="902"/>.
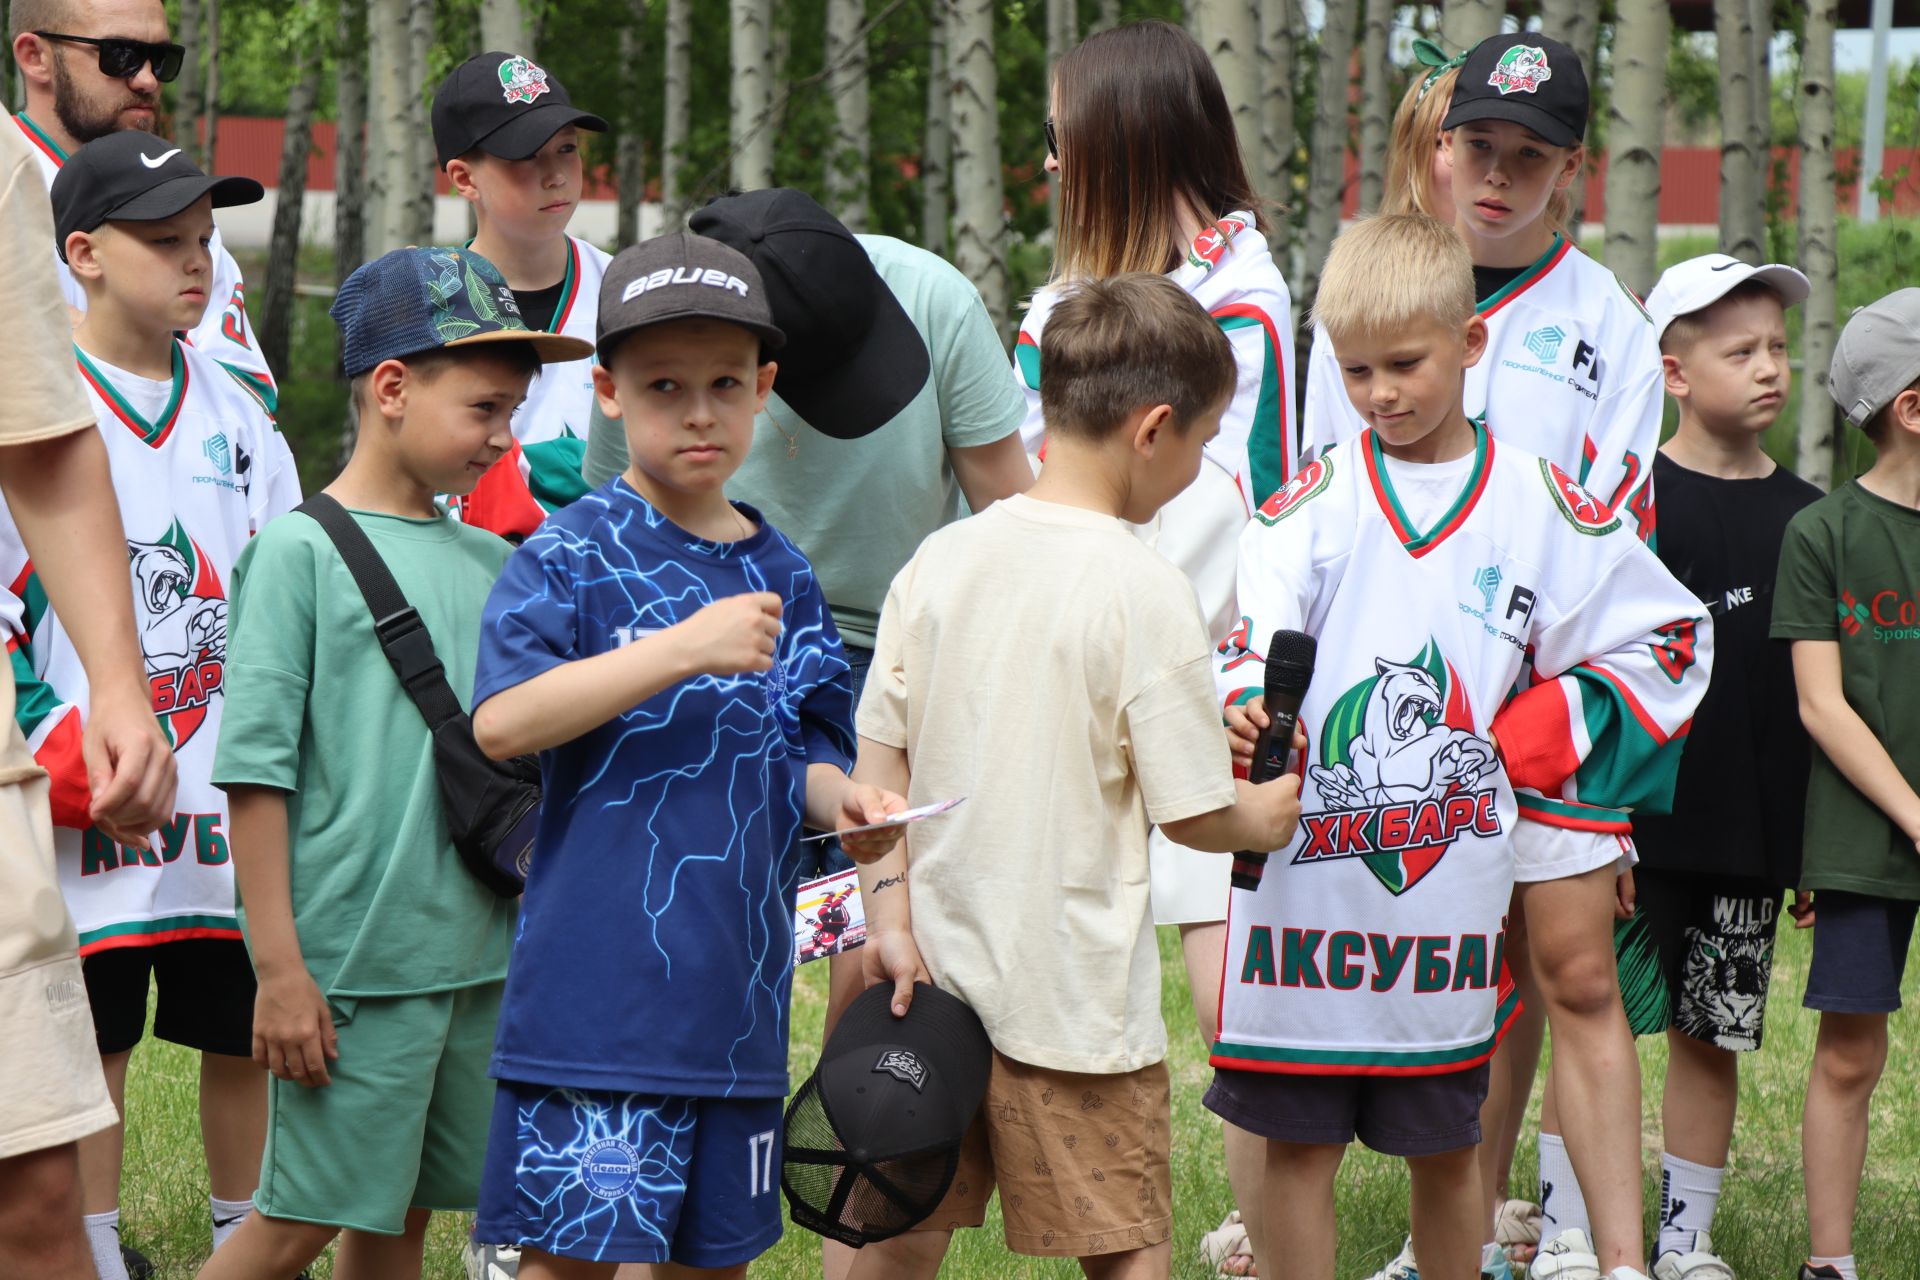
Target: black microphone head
<point x="1290" y="660"/>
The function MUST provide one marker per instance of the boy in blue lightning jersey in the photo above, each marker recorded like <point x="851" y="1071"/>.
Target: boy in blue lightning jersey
<point x="671" y="657"/>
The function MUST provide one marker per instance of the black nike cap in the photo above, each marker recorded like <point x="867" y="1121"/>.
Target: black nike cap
<point x="504" y="104"/>
<point x="131" y="176"/>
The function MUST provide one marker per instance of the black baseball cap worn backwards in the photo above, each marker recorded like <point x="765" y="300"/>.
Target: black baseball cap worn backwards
<point x="132" y="176"/>
<point x="873" y="1136"/>
<point x="1527" y="78"/>
<point x="505" y="105"/>
<point x="854" y="358"/>
<point x="681" y="277"/>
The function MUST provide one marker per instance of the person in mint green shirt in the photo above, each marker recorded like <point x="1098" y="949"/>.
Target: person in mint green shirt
<point x="1848" y="598"/>
<point x="380" y="958"/>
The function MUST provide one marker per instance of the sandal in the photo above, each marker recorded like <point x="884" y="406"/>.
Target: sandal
<point x="1516" y="1229"/>
<point x="1227" y="1250"/>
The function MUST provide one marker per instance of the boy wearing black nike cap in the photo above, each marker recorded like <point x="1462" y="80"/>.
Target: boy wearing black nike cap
<point x="508" y="138"/>
<point x="198" y="468"/>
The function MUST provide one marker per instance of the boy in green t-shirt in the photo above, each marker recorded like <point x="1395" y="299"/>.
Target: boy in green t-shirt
<point x="1849" y="600"/>
<point x="380" y="959"/>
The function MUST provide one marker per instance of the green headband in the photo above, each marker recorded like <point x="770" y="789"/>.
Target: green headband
<point x="1429" y="54"/>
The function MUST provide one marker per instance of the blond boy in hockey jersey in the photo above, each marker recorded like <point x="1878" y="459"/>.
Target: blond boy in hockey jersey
<point x="197" y="468"/>
<point x="1365" y="985"/>
<point x="508" y="139"/>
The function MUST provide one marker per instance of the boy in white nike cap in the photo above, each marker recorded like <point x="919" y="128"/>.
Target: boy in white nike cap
<point x="1713" y="873"/>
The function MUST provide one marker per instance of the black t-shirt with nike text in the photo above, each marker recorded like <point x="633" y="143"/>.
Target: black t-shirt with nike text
<point x="1741" y="795"/>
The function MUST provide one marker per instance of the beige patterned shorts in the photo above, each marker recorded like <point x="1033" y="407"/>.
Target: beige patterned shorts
<point x="1080" y="1161"/>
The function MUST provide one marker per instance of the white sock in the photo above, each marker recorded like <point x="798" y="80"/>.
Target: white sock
<point x="103" y="1237"/>
<point x="1844" y="1266"/>
<point x="1562" y="1207"/>
<point x="227" y="1217"/>
<point x="1688" y="1194"/>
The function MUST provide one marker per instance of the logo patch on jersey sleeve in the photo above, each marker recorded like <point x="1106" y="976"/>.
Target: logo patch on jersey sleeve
<point x="1210" y="246"/>
<point x="1311" y="481"/>
<point x="1583" y="511"/>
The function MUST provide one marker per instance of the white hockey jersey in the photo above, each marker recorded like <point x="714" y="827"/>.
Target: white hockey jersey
<point x="542" y="473"/>
<point x="193" y="483"/>
<point x="1571" y="373"/>
<point x="1234" y="277"/>
<point x="224" y="332"/>
<point x="1374" y="944"/>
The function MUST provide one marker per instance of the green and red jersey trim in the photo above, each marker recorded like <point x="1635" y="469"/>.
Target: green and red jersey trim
<point x="1417" y="543"/>
<point x="47" y="146"/>
<point x="569" y="287"/>
<point x="1566" y="814"/>
<point x="153" y="433"/>
<point x="1528" y="278"/>
<point x="1026" y="354"/>
<point x="47" y="721"/>
<point x="1383" y="1062"/>
<point x="150" y="933"/>
<point x="1268" y="453"/>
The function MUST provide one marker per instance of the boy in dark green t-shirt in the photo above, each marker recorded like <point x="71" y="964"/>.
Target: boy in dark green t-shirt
<point x="1849" y="600"/>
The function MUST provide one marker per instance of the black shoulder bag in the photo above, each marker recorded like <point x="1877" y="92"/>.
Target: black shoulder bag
<point x="492" y="806"/>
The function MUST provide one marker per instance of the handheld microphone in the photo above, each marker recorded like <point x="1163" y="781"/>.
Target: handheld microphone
<point x="1289" y="672"/>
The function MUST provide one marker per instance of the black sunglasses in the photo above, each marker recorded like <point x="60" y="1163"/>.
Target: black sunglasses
<point x="122" y="59"/>
<point x="1053" y="139"/>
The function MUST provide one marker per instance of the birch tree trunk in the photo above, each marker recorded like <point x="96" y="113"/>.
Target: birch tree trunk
<point x="673" y="132"/>
<point x="752" y="163"/>
<point x="210" y="87"/>
<point x="350" y="139"/>
<point x="1327" y="152"/>
<point x="979" y="213"/>
<point x="1061" y="25"/>
<point x="426" y="163"/>
<point x="1821" y="438"/>
<point x="847" y="164"/>
<point x="630" y="157"/>
<point x="1576" y="24"/>
<point x="390" y="139"/>
<point x="936" y="154"/>
<point x="1279" y="30"/>
<point x="1465" y="23"/>
<point x="1742" y="196"/>
<point x="275" y="329"/>
<point x="1109" y="15"/>
<point x="1636" y="134"/>
<point x="504" y="27"/>
<point x="188" y="92"/>
<point x="1760" y="130"/>
<point x="1376" y="103"/>
<point x="1230" y="33"/>
<point x="779" y="48"/>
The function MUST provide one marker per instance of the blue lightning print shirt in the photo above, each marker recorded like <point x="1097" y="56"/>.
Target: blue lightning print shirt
<point x="655" y="945"/>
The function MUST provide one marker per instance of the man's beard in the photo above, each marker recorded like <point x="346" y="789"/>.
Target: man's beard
<point x="80" y="118"/>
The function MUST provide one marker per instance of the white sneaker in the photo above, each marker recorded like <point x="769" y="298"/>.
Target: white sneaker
<point x="1403" y="1267"/>
<point x="1568" y="1256"/>
<point x="1697" y="1263"/>
<point x="490" y="1261"/>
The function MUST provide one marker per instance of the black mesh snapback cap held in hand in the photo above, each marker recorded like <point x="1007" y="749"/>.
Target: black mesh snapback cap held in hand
<point x="873" y="1136"/>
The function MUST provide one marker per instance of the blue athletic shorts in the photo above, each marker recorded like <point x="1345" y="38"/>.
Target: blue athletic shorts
<point x="629" y="1177"/>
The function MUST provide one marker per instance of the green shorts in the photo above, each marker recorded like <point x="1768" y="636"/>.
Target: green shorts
<point x="402" y="1126"/>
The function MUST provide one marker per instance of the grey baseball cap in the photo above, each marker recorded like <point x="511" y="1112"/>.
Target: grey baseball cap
<point x="1878" y="355"/>
<point x="681" y="277"/>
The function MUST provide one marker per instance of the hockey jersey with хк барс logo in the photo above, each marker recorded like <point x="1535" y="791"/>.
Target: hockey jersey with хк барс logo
<point x="196" y="474"/>
<point x="1571" y="373"/>
<point x="542" y="472"/>
<point x="1233" y="276"/>
<point x="1374" y="943"/>
<point x="224" y="332"/>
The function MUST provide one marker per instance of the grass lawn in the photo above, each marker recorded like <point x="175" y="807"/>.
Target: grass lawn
<point x="1761" y="1224"/>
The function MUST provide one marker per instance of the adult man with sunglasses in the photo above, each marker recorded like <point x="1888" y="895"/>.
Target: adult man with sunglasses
<point x="94" y="67"/>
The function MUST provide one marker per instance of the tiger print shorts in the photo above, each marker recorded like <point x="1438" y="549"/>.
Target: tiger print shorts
<point x="1712" y="939"/>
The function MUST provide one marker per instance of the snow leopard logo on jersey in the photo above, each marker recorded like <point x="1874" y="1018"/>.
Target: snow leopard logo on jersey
<point x="1400" y="772"/>
<point x="1723" y="986"/>
<point x="181" y="612"/>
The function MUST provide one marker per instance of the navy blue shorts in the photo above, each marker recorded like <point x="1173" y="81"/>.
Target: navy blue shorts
<point x="1395" y="1115"/>
<point x="1859" y="952"/>
<point x="629" y="1177"/>
<point x="824" y="857"/>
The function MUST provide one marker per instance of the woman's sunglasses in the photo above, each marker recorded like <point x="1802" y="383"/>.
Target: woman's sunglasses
<point x="122" y="59"/>
<point x="1053" y="139"/>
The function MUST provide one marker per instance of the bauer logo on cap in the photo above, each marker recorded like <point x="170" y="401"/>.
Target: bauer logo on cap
<point x="1522" y="69"/>
<point x="521" y="80"/>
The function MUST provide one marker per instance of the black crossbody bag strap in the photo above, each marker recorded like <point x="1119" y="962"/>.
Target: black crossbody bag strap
<point x="403" y="636"/>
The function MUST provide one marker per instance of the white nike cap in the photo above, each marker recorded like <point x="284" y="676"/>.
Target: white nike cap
<point x="1698" y="283"/>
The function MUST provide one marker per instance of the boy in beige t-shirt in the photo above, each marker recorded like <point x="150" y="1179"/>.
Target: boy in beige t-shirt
<point x="1071" y="702"/>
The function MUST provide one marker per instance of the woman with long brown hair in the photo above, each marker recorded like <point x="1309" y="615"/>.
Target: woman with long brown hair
<point x="1152" y="179"/>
